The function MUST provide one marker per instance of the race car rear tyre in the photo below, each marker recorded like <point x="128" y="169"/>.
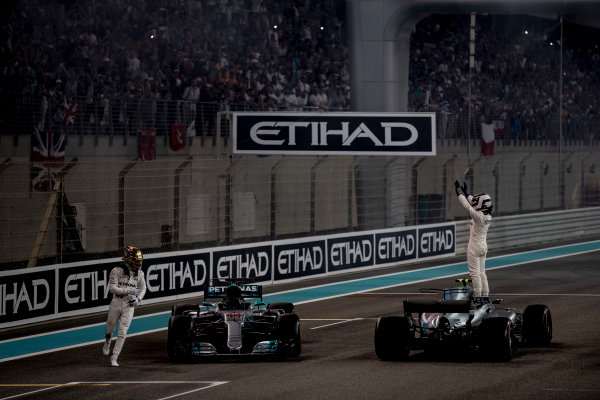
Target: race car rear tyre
<point x="393" y="337"/>
<point x="289" y="333"/>
<point x="537" y="325"/>
<point x="496" y="339"/>
<point x="179" y="326"/>
<point x="179" y="309"/>
<point x="288" y="308"/>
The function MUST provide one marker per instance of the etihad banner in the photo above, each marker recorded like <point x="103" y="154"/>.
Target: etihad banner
<point x="170" y="275"/>
<point x="396" y="246"/>
<point x="38" y="294"/>
<point x="342" y="133"/>
<point x="26" y="294"/>
<point x="436" y="240"/>
<point x="242" y="262"/>
<point x="349" y="252"/>
<point x="299" y="259"/>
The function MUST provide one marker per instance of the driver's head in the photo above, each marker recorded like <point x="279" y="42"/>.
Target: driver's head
<point x="482" y="202"/>
<point x="132" y="258"/>
<point x="233" y="292"/>
<point x="233" y="298"/>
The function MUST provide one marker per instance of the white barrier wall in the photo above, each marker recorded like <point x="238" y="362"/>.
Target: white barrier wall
<point x="530" y="229"/>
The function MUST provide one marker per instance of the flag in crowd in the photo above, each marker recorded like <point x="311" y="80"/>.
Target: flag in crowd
<point x="191" y="129"/>
<point x="47" y="158"/>
<point x="487" y="139"/>
<point x="70" y="112"/>
<point x="177" y="141"/>
<point x="66" y="113"/>
<point x="147" y="145"/>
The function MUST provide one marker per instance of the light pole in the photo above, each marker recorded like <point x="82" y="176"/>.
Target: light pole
<point x="561" y="172"/>
<point x="471" y="66"/>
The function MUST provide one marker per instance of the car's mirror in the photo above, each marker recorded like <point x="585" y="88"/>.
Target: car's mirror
<point x="258" y="304"/>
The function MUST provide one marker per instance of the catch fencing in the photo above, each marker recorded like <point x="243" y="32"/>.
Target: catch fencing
<point x="193" y="201"/>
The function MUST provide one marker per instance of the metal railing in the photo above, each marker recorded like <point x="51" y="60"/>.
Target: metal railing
<point x="119" y="116"/>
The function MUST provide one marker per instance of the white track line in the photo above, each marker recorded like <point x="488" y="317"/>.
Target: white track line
<point x="29" y="393"/>
<point x="209" y="384"/>
<point x="213" y="384"/>
<point x="337" y="323"/>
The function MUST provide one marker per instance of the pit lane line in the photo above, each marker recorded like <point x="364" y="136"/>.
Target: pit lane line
<point x="210" y="384"/>
<point x="60" y="340"/>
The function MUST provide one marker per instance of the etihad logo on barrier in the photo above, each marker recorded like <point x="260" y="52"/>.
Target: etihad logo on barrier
<point x="334" y="133"/>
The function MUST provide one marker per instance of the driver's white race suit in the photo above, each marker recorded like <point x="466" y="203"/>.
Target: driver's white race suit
<point x="122" y="282"/>
<point x="477" y="248"/>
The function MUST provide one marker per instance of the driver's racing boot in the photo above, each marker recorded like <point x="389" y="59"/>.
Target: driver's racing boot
<point x="113" y="361"/>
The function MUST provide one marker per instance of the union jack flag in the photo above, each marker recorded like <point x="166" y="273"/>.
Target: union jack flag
<point x="47" y="159"/>
<point x="70" y="111"/>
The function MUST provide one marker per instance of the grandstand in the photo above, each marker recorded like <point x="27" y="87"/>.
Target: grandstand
<point x="138" y="97"/>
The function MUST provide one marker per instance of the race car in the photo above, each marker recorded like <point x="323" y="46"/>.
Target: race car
<point x="232" y="326"/>
<point x="457" y="322"/>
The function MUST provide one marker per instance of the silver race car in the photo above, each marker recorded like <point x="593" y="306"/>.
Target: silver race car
<point x="232" y="326"/>
<point x="457" y="322"/>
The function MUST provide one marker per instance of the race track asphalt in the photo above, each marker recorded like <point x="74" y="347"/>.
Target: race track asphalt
<point x="338" y="359"/>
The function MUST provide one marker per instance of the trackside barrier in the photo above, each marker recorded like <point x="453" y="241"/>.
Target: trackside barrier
<point x="521" y="230"/>
<point x="55" y="291"/>
<point x="49" y="292"/>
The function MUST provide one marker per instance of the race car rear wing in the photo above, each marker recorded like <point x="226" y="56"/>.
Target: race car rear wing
<point x="436" y="306"/>
<point x="248" y="291"/>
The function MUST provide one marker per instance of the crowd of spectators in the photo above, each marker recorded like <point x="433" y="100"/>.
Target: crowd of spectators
<point x="122" y="59"/>
<point x="255" y="54"/>
<point x="515" y="77"/>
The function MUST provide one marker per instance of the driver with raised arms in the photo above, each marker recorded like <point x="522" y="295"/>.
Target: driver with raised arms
<point x="480" y="209"/>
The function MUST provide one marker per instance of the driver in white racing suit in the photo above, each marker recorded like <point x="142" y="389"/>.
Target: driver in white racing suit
<point x="480" y="209"/>
<point x="128" y="287"/>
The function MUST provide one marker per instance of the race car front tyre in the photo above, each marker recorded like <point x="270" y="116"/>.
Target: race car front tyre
<point x="393" y="337"/>
<point x="288" y="308"/>
<point x="289" y="334"/>
<point x="537" y="325"/>
<point x="496" y="339"/>
<point x="178" y="330"/>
